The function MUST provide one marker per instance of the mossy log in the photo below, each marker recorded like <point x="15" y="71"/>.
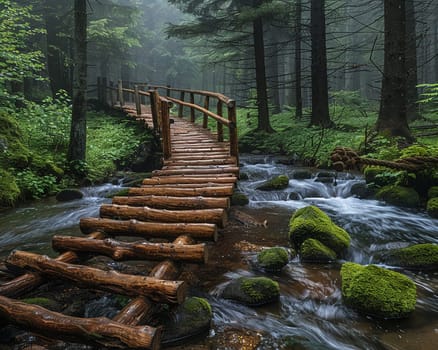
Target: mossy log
<point x="95" y="331"/>
<point x="124" y="212"/>
<point x="171" y="202"/>
<point x="119" y="251"/>
<point x="225" y="191"/>
<point x="148" y="229"/>
<point x="191" y="179"/>
<point x="162" y="291"/>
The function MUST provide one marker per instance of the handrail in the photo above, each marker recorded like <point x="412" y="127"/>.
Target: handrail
<point x="161" y="105"/>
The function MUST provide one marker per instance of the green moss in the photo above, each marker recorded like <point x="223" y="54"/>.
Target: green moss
<point x="370" y="172"/>
<point x="195" y="305"/>
<point x="273" y="259"/>
<point x="313" y="250"/>
<point x="399" y="196"/>
<point x="432" y="192"/>
<point x="376" y="291"/>
<point x="312" y="222"/>
<point x="260" y="289"/>
<point x="277" y="183"/>
<point x="38" y="301"/>
<point x="432" y="207"/>
<point x="9" y="191"/>
<point x="418" y="256"/>
<point x="239" y="198"/>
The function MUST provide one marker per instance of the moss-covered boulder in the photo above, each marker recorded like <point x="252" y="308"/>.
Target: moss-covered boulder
<point x="9" y="191"/>
<point x="313" y="250"/>
<point x="273" y="259"/>
<point x="432" y="192"/>
<point x="253" y="291"/>
<point x="432" y="207"/>
<point x="312" y="222"/>
<point x="399" y="196"/>
<point x="239" y="198"/>
<point x="191" y="318"/>
<point x="277" y="183"/>
<point x="376" y="291"/>
<point x="371" y="172"/>
<point x="415" y="257"/>
<point x="69" y="194"/>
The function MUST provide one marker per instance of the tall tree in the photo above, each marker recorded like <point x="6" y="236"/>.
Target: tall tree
<point x="411" y="62"/>
<point x="298" y="38"/>
<point x="392" y="118"/>
<point x="78" y="132"/>
<point x="320" y="109"/>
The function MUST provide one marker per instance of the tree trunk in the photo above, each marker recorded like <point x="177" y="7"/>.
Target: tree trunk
<point x="262" y="94"/>
<point x="392" y="118"/>
<point x="411" y="62"/>
<point x="78" y="131"/>
<point x="298" y="38"/>
<point x="320" y="110"/>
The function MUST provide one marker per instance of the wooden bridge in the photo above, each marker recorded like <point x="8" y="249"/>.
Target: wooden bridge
<point x="184" y="204"/>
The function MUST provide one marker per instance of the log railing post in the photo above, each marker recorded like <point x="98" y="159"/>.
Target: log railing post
<point x="192" y="110"/>
<point x="137" y="100"/>
<point x="165" y="129"/>
<point x="220" y="127"/>
<point x="206" y="106"/>
<point x="181" y="107"/>
<point x="168" y="90"/>
<point x="111" y="93"/>
<point x="120" y="93"/>
<point x="155" y="100"/>
<point x="234" y="149"/>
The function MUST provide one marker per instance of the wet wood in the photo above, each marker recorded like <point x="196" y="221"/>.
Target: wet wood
<point x="196" y="185"/>
<point x="29" y="281"/>
<point x="191" y="179"/>
<point x="124" y="212"/>
<point x="120" y="251"/>
<point x="95" y="331"/>
<point x="172" y="162"/>
<point x="149" y="229"/>
<point x="225" y="191"/>
<point x="158" y="290"/>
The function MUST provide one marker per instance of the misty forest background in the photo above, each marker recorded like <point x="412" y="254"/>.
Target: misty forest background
<point x="307" y="77"/>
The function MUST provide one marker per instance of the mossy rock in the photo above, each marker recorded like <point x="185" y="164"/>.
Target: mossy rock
<point x="399" y="196"/>
<point x="302" y="174"/>
<point x="239" y="198"/>
<point x="191" y="318"/>
<point x="416" y="257"/>
<point x="273" y="259"/>
<point x="253" y="291"/>
<point x="432" y="207"/>
<point x="12" y="151"/>
<point x="9" y="191"/>
<point x="313" y="250"/>
<point x="312" y="222"/>
<point x="362" y="190"/>
<point x="243" y="176"/>
<point x="69" y="194"/>
<point x="376" y="291"/>
<point x="277" y="183"/>
<point x="432" y="192"/>
<point x="370" y="173"/>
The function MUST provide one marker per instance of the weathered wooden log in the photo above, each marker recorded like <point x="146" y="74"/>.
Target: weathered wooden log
<point x="158" y="290"/>
<point x="125" y="212"/>
<point x="148" y="229"/>
<point x="188" y="163"/>
<point x="119" y="251"/>
<point x="29" y="281"/>
<point x="197" y="185"/>
<point x="169" y="202"/>
<point x="225" y="191"/>
<point x="187" y="157"/>
<point x="200" y="149"/>
<point x="200" y="171"/>
<point x="94" y="331"/>
<point x="170" y="180"/>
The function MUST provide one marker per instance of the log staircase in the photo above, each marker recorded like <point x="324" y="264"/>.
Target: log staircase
<point x="174" y="213"/>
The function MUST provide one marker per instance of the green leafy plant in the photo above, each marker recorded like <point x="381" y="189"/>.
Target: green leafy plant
<point x="33" y="186"/>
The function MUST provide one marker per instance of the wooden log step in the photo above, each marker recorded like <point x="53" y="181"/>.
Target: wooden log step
<point x="201" y="156"/>
<point x="99" y="331"/>
<point x="125" y="212"/>
<point x="120" y="251"/>
<point x="148" y="229"/>
<point x="170" y="202"/>
<point x="190" y="171"/>
<point x="161" y="291"/>
<point x="217" y="161"/>
<point x="200" y="185"/>
<point x="226" y="168"/>
<point x="200" y="149"/>
<point x="191" y="179"/>
<point x="225" y="191"/>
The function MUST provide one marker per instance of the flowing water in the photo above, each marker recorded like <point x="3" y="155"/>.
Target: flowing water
<point x="310" y="313"/>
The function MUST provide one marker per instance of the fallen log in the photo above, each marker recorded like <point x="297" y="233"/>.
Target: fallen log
<point x="225" y="191"/>
<point x="232" y="171"/>
<point x="170" y="180"/>
<point x="125" y="212"/>
<point x="158" y="290"/>
<point x="148" y="229"/>
<point x="29" y="281"/>
<point x="169" y="202"/>
<point x="119" y="251"/>
<point x="95" y="331"/>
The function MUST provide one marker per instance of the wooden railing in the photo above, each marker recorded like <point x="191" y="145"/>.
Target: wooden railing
<point x="161" y="105"/>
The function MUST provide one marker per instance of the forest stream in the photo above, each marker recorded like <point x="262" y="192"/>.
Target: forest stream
<point x="310" y="313"/>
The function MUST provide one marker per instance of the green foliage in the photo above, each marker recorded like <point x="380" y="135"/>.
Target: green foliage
<point x="33" y="186"/>
<point x="430" y="96"/>
<point x="9" y="191"/>
<point x="432" y="207"/>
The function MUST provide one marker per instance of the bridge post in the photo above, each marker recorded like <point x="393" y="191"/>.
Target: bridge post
<point x="137" y="100"/>
<point x="165" y="129"/>
<point x="192" y="110"/>
<point x="155" y="98"/>
<point x="234" y="147"/>
<point x="181" y="107"/>
<point x="220" y="127"/>
<point x="111" y="93"/>
<point x="206" y="106"/>
<point x="120" y="93"/>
